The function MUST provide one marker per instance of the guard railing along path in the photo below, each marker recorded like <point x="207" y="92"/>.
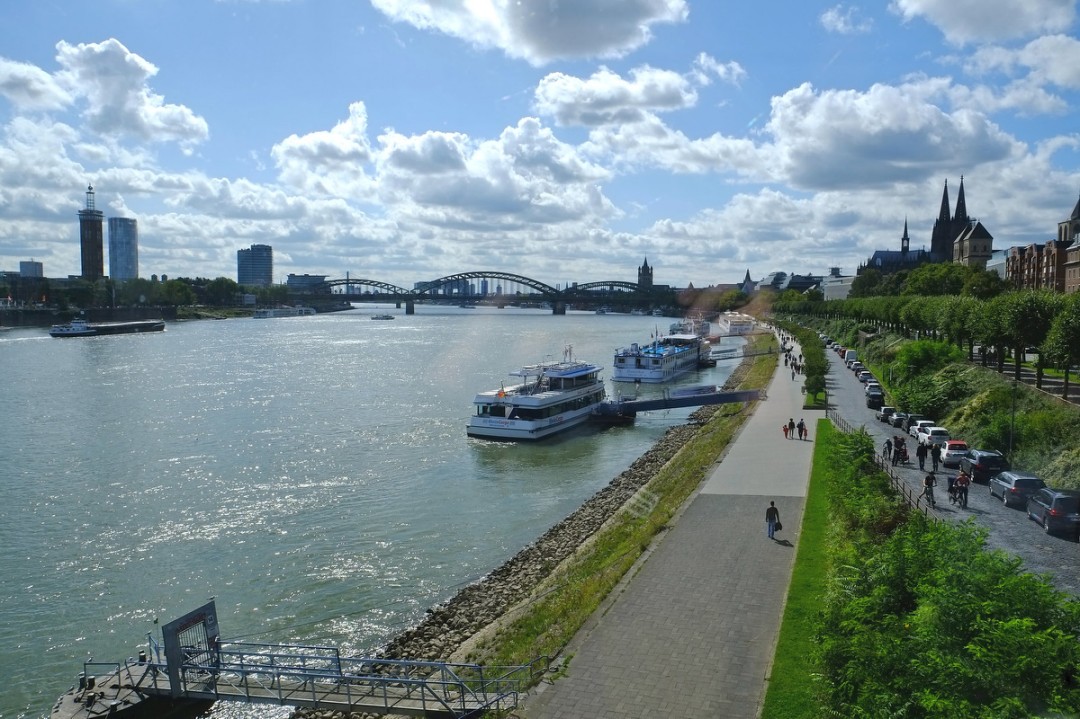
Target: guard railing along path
<point x="914" y="498"/>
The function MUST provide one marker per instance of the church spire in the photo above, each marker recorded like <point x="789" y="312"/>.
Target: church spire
<point x="961" y="205"/>
<point x="1076" y="212"/>
<point x="905" y="241"/>
<point x="943" y="214"/>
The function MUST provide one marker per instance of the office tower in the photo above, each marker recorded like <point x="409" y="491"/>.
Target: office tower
<point x="123" y="248"/>
<point x="90" y="238"/>
<point x="31" y="268"/>
<point x="255" y="266"/>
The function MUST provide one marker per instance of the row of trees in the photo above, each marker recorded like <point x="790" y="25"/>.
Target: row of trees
<point x="939" y="278"/>
<point x="183" y="291"/>
<point x="1047" y="321"/>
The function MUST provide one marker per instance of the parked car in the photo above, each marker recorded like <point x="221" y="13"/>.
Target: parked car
<point x="1014" y="488"/>
<point x="898" y="419"/>
<point x="885" y="413"/>
<point x="951" y="453"/>
<point x="874" y="399"/>
<point x="910" y="420"/>
<point x="982" y="464"/>
<point x="933" y="435"/>
<point x="1057" y="510"/>
<point x="865" y="376"/>
<point x="919" y="424"/>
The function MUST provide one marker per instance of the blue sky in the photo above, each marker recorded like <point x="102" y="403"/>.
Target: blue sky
<point x="565" y="140"/>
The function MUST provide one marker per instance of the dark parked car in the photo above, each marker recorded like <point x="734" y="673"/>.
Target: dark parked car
<point x="1014" y="488"/>
<point x="885" y="413"/>
<point x="898" y="418"/>
<point x="911" y="420"/>
<point x="874" y="399"/>
<point x="1057" y="510"/>
<point x="982" y="464"/>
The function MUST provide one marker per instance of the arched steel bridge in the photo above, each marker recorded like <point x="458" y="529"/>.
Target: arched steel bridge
<point x="461" y="287"/>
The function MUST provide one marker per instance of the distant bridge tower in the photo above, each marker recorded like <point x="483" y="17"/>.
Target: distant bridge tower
<point x="644" y="277"/>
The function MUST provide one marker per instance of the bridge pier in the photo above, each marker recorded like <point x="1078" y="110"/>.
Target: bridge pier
<point x="410" y="307"/>
<point x="558" y="308"/>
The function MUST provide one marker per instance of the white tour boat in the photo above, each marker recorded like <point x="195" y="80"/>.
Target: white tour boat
<point x="661" y="360"/>
<point x="272" y="312"/>
<point x="552" y="397"/>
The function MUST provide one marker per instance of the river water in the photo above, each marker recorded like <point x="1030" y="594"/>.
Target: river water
<point x="311" y="473"/>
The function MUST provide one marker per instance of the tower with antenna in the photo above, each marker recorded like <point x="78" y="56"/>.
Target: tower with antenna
<point x="91" y="239"/>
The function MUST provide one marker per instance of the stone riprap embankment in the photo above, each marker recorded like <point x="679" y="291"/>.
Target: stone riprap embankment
<point x="449" y="625"/>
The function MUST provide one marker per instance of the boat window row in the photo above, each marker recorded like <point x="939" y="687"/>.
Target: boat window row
<point x="535" y="413"/>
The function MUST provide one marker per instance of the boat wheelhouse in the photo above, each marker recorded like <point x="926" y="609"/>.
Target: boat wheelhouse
<point x="661" y="360"/>
<point x="551" y="397"/>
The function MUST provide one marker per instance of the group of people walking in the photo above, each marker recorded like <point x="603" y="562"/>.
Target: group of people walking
<point x="895" y="450"/>
<point x="791" y="429"/>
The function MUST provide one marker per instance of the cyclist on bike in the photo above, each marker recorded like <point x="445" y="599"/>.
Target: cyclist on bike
<point x="960" y="486"/>
<point x="929" y="482"/>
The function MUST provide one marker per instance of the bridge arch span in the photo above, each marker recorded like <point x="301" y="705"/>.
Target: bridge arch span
<point x="376" y="284"/>
<point x="585" y="286"/>
<point x="544" y="289"/>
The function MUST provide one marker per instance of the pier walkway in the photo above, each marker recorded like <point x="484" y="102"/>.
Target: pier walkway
<point x="691" y="633"/>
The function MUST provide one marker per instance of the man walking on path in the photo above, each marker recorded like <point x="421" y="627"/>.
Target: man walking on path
<point x="920" y="452"/>
<point x="791" y="428"/>
<point x="772" y="516"/>
<point x="935" y="455"/>
<point x="801" y="426"/>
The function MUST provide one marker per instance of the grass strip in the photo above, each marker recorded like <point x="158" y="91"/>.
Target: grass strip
<point x="567" y="599"/>
<point x="790" y="693"/>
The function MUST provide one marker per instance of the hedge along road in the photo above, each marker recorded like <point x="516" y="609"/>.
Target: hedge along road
<point x="1008" y="529"/>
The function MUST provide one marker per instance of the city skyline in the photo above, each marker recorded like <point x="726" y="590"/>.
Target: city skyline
<point x="399" y="140"/>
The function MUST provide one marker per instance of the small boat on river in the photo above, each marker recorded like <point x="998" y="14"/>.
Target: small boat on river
<point x="79" y="327"/>
<point x="551" y="397"/>
<point x="382" y="317"/>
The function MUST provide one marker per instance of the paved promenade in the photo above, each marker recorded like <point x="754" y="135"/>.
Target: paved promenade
<point x="691" y="635"/>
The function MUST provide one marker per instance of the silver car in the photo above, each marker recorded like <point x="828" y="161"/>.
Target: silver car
<point x="1015" y="488"/>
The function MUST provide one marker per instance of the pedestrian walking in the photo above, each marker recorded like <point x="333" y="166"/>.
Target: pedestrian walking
<point x="772" y="520"/>
<point x="801" y="426"/>
<point x="935" y="455"/>
<point x="886" y="450"/>
<point x="784" y="428"/>
<point x="791" y="427"/>
<point x="921" y="453"/>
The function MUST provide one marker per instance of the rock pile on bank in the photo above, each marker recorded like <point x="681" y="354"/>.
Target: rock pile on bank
<point x="449" y="625"/>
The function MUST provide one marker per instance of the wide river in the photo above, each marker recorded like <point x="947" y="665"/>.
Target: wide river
<point x="311" y="473"/>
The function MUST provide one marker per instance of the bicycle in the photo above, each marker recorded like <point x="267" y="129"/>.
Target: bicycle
<point x="928" y="492"/>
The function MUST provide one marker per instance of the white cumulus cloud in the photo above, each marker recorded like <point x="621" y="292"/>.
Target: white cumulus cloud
<point x="976" y="21"/>
<point x="114" y="83"/>
<point x="540" y="31"/>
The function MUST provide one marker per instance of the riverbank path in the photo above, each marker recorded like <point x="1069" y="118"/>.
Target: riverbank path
<point x="691" y="633"/>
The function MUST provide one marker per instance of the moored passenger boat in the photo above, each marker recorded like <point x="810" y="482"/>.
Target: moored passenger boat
<point x="551" y="397"/>
<point x="660" y="360"/>
<point x="271" y="312"/>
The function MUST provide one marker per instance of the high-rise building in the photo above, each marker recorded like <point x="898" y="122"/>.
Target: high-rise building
<point x="123" y="248"/>
<point x="255" y="266"/>
<point x="90" y="239"/>
<point x="31" y="268"/>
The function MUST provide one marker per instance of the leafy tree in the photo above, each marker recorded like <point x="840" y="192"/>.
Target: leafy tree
<point x="866" y="284"/>
<point x="1026" y="319"/>
<point x="221" y="291"/>
<point x="177" y="293"/>
<point x="1062" y="344"/>
<point x="984" y="284"/>
<point x="936" y="278"/>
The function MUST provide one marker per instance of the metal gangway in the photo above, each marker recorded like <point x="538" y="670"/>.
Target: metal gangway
<point x="626" y="409"/>
<point x="196" y="665"/>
